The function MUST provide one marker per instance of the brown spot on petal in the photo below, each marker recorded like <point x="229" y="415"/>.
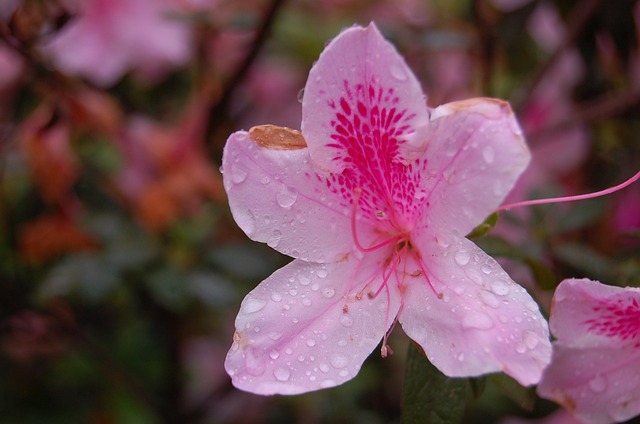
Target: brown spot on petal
<point x="277" y="138"/>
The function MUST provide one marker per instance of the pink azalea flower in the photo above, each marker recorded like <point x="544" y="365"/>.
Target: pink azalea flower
<point x="594" y="372"/>
<point x="373" y="200"/>
<point x="111" y="37"/>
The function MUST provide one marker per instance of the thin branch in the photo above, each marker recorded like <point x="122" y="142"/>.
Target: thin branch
<point x="217" y="111"/>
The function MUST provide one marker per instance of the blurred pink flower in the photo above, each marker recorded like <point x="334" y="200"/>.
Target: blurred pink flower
<point x="373" y="203"/>
<point x="557" y="153"/>
<point x="10" y="66"/>
<point x="594" y="372"/>
<point x="111" y="37"/>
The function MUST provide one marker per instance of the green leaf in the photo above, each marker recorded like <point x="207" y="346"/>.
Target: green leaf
<point x="524" y="397"/>
<point x="430" y="397"/>
<point x="586" y="260"/>
<point x="485" y="227"/>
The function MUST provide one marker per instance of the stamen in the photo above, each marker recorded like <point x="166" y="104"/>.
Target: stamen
<point x="571" y="198"/>
<point x="426" y="275"/>
<point x="386" y="350"/>
<point x="356" y="201"/>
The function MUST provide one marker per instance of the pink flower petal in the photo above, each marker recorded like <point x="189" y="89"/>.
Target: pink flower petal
<point x="359" y="95"/>
<point x="276" y="198"/>
<point x="304" y="328"/>
<point x="587" y="313"/>
<point x="597" y="384"/>
<point x="475" y="319"/>
<point x="476" y="153"/>
<point x="594" y="372"/>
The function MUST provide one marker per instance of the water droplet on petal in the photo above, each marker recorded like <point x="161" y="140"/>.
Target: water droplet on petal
<point x="598" y="384"/>
<point x="245" y="220"/>
<point x="293" y="292"/>
<point x="500" y="287"/>
<point x="531" y="339"/>
<point x="306" y="301"/>
<point x="281" y="374"/>
<point x="311" y="342"/>
<point x="489" y="299"/>
<point x="275" y="238"/>
<point x="304" y="279"/>
<point x="461" y="357"/>
<point x="251" y="305"/>
<point x="338" y="361"/>
<point x="286" y="197"/>
<point x="322" y="273"/>
<point x="462" y="257"/>
<point x="521" y="348"/>
<point x="238" y="173"/>
<point x="274" y="354"/>
<point x="276" y="297"/>
<point x="274" y="336"/>
<point x="478" y="320"/>
<point x="398" y="72"/>
<point x="328" y="292"/>
<point x="324" y="368"/>
<point x="346" y="320"/>
<point x="265" y="179"/>
<point x="488" y="154"/>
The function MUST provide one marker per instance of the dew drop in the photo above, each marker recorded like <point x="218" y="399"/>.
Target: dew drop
<point x="346" y="320"/>
<point x="328" y="292"/>
<point x="315" y="286"/>
<point x="327" y="383"/>
<point x="311" y="342"/>
<point x="265" y="179"/>
<point x="324" y="368"/>
<point x="274" y="354"/>
<point x="503" y="319"/>
<point x="281" y="374"/>
<point x="304" y="279"/>
<point x="276" y="297"/>
<point x="478" y="320"/>
<point x="489" y="299"/>
<point x="245" y="220"/>
<point x="521" y="348"/>
<point x="274" y="336"/>
<point x="288" y="351"/>
<point x="500" y="287"/>
<point x="238" y="173"/>
<point x="488" y="154"/>
<point x="293" y="292"/>
<point x="531" y="340"/>
<point x="462" y="257"/>
<point x="342" y="343"/>
<point x="275" y="238"/>
<point x="322" y="273"/>
<point x="250" y="305"/>
<point x="306" y="301"/>
<point x="338" y="361"/>
<point x="598" y="384"/>
<point x="461" y="357"/>
<point x="286" y="197"/>
<point x="300" y="358"/>
<point x="398" y="72"/>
